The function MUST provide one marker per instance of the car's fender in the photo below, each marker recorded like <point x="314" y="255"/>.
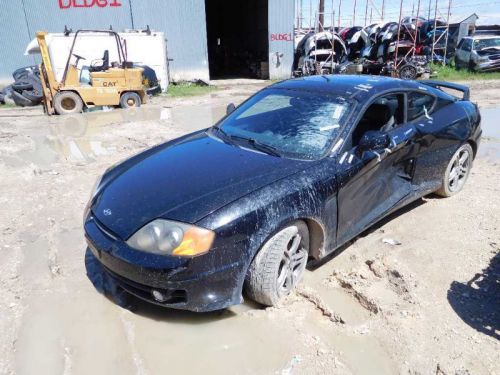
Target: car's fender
<point x="309" y="195"/>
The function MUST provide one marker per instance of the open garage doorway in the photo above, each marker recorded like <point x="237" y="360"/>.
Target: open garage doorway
<point x="237" y="37"/>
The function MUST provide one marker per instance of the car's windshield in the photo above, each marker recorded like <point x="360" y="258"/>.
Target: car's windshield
<point x="480" y="44"/>
<point x="295" y="124"/>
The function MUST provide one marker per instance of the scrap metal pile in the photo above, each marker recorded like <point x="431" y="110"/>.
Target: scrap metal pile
<point x="397" y="49"/>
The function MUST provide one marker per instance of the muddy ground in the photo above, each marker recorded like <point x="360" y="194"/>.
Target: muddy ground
<point x="429" y="305"/>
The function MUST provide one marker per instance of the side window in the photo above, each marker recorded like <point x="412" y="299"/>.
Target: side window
<point x="418" y="105"/>
<point x="384" y="114"/>
<point x="467" y="45"/>
<point x="460" y="44"/>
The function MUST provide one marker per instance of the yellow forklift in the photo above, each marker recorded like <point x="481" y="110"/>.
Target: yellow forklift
<point x="111" y="84"/>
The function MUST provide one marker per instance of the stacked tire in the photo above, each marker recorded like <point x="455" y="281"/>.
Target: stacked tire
<point x="26" y="91"/>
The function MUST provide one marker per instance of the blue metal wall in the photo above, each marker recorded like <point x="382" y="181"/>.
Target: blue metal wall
<point x="13" y="38"/>
<point x="281" y="38"/>
<point x="182" y="21"/>
<point x="184" y="25"/>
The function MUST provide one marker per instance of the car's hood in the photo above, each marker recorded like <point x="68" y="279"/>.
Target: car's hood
<point x="184" y="180"/>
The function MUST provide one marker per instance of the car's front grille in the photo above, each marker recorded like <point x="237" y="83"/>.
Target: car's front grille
<point x="169" y="296"/>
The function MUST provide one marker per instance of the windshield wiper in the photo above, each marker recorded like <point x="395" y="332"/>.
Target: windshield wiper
<point x="257" y="145"/>
<point x="218" y="129"/>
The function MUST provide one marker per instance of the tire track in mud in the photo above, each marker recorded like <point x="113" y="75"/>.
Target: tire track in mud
<point x="311" y="296"/>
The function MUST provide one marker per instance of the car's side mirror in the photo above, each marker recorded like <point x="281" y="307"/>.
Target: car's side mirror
<point x="373" y="140"/>
<point x="230" y="108"/>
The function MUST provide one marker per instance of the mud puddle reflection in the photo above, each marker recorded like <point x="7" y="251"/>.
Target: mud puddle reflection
<point x="490" y="143"/>
<point x="84" y="138"/>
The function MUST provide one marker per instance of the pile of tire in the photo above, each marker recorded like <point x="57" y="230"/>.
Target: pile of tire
<point x="26" y="91"/>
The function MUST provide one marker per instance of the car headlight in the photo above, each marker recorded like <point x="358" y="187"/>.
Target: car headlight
<point x="483" y="59"/>
<point x="167" y="237"/>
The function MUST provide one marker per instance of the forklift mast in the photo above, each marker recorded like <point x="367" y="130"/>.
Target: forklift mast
<point x="47" y="76"/>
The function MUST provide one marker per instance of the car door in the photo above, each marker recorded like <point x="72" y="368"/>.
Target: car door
<point x="466" y="51"/>
<point x="372" y="182"/>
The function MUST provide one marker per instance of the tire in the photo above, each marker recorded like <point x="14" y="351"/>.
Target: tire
<point x="457" y="64"/>
<point x="33" y="96"/>
<point x="471" y="66"/>
<point x="130" y="100"/>
<point x="19" y="86"/>
<point x="457" y="171"/>
<point x="21" y="101"/>
<point x="67" y="102"/>
<point x="272" y="275"/>
<point x="408" y="72"/>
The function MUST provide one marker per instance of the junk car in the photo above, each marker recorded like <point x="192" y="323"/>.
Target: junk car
<point x="287" y="177"/>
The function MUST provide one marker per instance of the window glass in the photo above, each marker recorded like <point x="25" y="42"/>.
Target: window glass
<point x="480" y="44"/>
<point x="384" y="114"/>
<point x="467" y="45"/>
<point x="418" y="105"/>
<point x="297" y="124"/>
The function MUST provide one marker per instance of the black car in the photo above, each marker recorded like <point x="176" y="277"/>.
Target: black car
<point x="289" y="176"/>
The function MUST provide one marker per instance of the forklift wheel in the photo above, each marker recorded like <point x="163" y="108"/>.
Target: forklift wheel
<point x="130" y="100"/>
<point x="67" y="102"/>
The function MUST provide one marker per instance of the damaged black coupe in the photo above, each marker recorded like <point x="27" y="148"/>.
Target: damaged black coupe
<point x="289" y="176"/>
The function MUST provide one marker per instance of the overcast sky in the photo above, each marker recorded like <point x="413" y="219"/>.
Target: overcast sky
<point x="488" y="11"/>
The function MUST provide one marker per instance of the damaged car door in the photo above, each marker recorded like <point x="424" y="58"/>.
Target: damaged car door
<point x="376" y="165"/>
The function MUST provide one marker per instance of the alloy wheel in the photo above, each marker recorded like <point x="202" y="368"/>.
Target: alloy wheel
<point x="459" y="170"/>
<point x="292" y="265"/>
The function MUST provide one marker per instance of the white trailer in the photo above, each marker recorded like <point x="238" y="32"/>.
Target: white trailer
<point x="144" y="48"/>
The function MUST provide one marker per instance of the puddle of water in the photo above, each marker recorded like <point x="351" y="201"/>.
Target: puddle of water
<point x="490" y="144"/>
<point x="490" y="123"/>
<point x="81" y="138"/>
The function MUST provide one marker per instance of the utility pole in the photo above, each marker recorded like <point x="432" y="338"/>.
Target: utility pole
<point x="366" y="12"/>
<point x="321" y="14"/>
<point x="383" y="8"/>
<point x="354" y="14"/>
<point x="338" y="22"/>
<point x="429" y="11"/>
<point x="299" y="14"/>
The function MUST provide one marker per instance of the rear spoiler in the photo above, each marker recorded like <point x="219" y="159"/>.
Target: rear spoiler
<point x="453" y="86"/>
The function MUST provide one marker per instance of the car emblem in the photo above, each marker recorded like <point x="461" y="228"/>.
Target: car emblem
<point x="107" y="212"/>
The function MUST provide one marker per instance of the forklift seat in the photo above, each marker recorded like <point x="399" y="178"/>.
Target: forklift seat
<point x="102" y="67"/>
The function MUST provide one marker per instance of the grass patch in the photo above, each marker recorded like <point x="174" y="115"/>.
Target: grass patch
<point x="7" y="105"/>
<point x="449" y="73"/>
<point x="182" y="89"/>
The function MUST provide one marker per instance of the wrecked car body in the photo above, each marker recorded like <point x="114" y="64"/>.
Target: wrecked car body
<point x="479" y="53"/>
<point x="318" y="53"/>
<point x="289" y="176"/>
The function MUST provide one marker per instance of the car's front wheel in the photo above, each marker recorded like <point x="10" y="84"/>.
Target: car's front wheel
<point x="457" y="171"/>
<point x="279" y="265"/>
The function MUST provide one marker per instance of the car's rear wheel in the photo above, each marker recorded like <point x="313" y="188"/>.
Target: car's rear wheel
<point x="457" y="171"/>
<point x="279" y="265"/>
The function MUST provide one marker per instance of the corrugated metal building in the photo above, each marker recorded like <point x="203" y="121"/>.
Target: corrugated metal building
<point x="205" y="38"/>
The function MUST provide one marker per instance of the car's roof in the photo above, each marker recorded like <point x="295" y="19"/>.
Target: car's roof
<point x="361" y="87"/>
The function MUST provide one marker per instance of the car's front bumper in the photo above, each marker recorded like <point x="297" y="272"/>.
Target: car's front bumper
<point x="164" y="280"/>
<point x="489" y="66"/>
